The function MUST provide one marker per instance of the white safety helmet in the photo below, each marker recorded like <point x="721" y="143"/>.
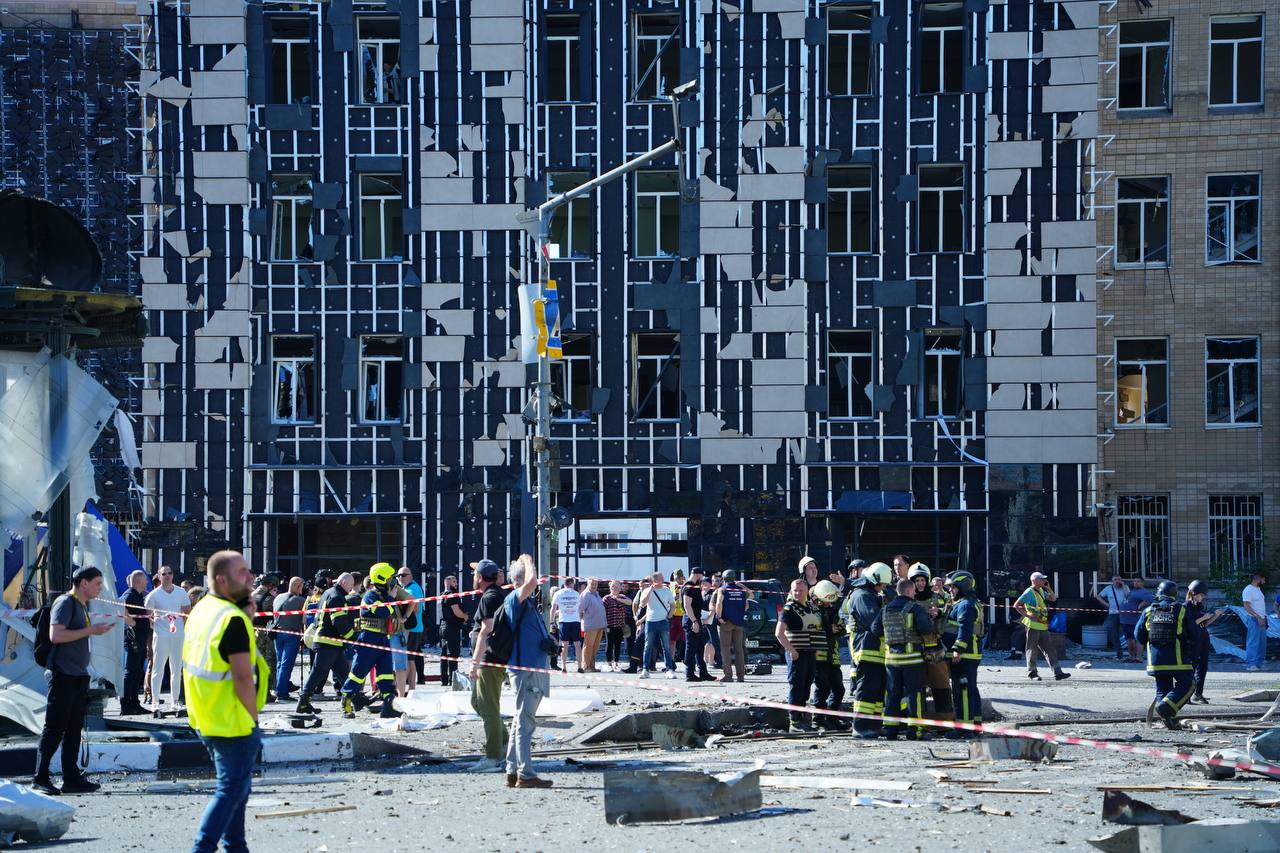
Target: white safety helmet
<point x="825" y="591"/>
<point x="879" y="573"/>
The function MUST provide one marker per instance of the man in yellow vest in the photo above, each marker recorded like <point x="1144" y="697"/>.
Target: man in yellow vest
<point x="225" y="678"/>
<point x="1034" y="607"/>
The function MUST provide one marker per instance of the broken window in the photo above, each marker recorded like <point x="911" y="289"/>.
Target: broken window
<point x="381" y="379"/>
<point x="1232" y="219"/>
<point x="291" y="76"/>
<point x="572" y="224"/>
<point x="380" y="78"/>
<point x="851" y="63"/>
<point x="655" y="50"/>
<point x="1145" y="60"/>
<point x="1142" y="221"/>
<point x="850" y="372"/>
<point x="941" y="209"/>
<point x="1235" y="532"/>
<point x="1231" y="381"/>
<point x="572" y="379"/>
<point x="942" y="48"/>
<point x="381" y="218"/>
<point x="848" y="209"/>
<point x="943" y="376"/>
<point x="657" y="215"/>
<point x="1142" y="382"/>
<point x="563" y="58"/>
<point x="1142" y="535"/>
<point x="290" y="217"/>
<point x="655" y="376"/>
<point x="1235" y="61"/>
<point x="293" y="361"/>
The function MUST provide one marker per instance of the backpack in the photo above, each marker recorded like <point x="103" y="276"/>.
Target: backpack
<point x="43" y="645"/>
<point x="502" y="638"/>
<point x="1162" y="627"/>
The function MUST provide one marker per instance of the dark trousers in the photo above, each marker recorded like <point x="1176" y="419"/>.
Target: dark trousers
<point x="135" y="666"/>
<point x="713" y="637"/>
<point x="964" y="691"/>
<point x="367" y="659"/>
<point x="1200" y="666"/>
<point x="1173" y="689"/>
<point x="328" y="659"/>
<point x="903" y="684"/>
<point x="694" y="643"/>
<point x="800" y="681"/>
<point x="450" y="649"/>
<point x="63" y="722"/>
<point x="868" y="696"/>
<point x="635" y="648"/>
<point x="613" y="645"/>
<point x="828" y="685"/>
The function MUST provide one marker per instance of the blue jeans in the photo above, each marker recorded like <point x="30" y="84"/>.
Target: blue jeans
<point x="1255" y="644"/>
<point x="233" y="760"/>
<point x="1114" y="638"/>
<point x="286" y="656"/>
<point x="658" y="635"/>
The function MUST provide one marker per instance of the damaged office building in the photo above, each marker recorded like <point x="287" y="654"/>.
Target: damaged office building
<point x="863" y="323"/>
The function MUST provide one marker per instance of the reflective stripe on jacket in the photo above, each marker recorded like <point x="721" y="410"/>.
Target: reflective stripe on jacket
<point x="213" y="708"/>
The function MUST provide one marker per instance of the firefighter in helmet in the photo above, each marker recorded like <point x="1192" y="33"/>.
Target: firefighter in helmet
<point x="1170" y="634"/>
<point x="373" y="623"/>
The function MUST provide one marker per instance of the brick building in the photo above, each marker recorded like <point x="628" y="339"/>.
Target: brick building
<point x="1188" y="341"/>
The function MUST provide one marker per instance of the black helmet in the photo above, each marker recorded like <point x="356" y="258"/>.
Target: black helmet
<point x="963" y="581"/>
<point x="1196" y="587"/>
<point x="1167" y="589"/>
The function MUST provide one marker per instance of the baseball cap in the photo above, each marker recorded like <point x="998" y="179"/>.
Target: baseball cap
<point x="486" y="568"/>
<point x="1039" y="576"/>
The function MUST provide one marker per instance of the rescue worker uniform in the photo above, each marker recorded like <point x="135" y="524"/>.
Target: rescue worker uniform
<point x="867" y="650"/>
<point x="336" y="628"/>
<point x="1200" y="651"/>
<point x="828" y="690"/>
<point x="937" y="672"/>
<point x="1170" y="635"/>
<point x="963" y="635"/>
<point x="375" y="615"/>
<point x="902" y="623"/>
<point x="803" y="626"/>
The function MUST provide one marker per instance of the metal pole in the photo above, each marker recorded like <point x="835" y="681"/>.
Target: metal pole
<point x="58" y="577"/>
<point x="542" y="439"/>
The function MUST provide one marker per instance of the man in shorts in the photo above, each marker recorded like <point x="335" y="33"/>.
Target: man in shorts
<point x="564" y="612"/>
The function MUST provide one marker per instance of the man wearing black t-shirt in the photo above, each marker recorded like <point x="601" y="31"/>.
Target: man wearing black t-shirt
<point x="695" y="634"/>
<point x="486" y="681"/>
<point x="137" y="639"/>
<point x="453" y="618"/>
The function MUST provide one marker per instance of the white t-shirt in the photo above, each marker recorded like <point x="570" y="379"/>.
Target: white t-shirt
<point x="1253" y="597"/>
<point x="1114" y="597"/>
<point x="172" y="601"/>
<point x="658" y="605"/>
<point x="566" y="600"/>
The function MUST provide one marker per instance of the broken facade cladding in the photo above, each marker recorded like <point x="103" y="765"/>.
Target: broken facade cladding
<point x="866" y="326"/>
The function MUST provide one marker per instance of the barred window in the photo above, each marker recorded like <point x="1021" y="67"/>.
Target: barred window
<point x="1142" y="535"/>
<point x="1235" y="531"/>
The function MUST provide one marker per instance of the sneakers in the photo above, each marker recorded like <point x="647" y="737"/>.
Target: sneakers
<point x="45" y="785"/>
<point x="533" y="782"/>
<point x="800" y="726"/>
<point x="1061" y="676"/>
<point x="1201" y="699"/>
<point x="1253" y="669"/>
<point x="1033" y="675"/>
<point x="671" y="674"/>
<point x="79" y="785"/>
<point x="485" y="765"/>
<point x="644" y="673"/>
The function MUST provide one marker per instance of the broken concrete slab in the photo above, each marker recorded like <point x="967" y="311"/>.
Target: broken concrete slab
<point x="1225" y="835"/>
<point x="1257" y="696"/>
<point x="638" y="725"/>
<point x="999" y="748"/>
<point x="1119" y="807"/>
<point x="647" y="796"/>
<point x="673" y="737"/>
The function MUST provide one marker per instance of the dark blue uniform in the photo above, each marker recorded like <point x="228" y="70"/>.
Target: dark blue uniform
<point x="375" y="612"/>
<point x="901" y="623"/>
<point x="961" y="636"/>
<point x="861" y="608"/>
<point x="1170" y="658"/>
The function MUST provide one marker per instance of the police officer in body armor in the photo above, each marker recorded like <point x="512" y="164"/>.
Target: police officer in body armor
<point x="1170" y="634"/>
<point x="377" y="608"/>
<point x="963" y="635"/>
<point x="799" y="632"/>
<point x="937" y="673"/>
<point x="829" y="688"/>
<point x="902" y="623"/>
<point x="861" y="607"/>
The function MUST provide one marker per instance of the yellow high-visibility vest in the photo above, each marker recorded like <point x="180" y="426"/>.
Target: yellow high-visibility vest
<point x="213" y="708"/>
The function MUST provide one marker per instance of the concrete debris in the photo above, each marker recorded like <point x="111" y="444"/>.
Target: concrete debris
<point x="304" y="812"/>
<point x="833" y="783"/>
<point x="1257" y="696"/>
<point x="673" y="737"/>
<point x="1119" y="807"/>
<point x="1265" y="746"/>
<point x="997" y="748"/>
<point x="992" y="810"/>
<point x="647" y="796"/>
<point x="1218" y="772"/>
<point x="1226" y="835"/>
<point x="30" y="815"/>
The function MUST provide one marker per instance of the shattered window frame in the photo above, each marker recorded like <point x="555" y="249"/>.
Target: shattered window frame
<point x="385" y="209"/>
<point x="657" y="194"/>
<point x="376" y="86"/>
<point x="851" y="352"/>
<point x="941" y="38"/>
<point x="1146" y="51"/>
<point x="850" y="210"/>
<point x="848" y="35"/>
<point x="655" y="65"/>
<point x="292" y="49"/>
<point x="293" y="379"/>
<point x="1232" y="382"/>
<point x="1148" y="359"/>
<point x="1232" y="203"/>
<point x="573" y="379"/>
<point x="940" y="205"/>
<point x="563" y="60"/>
<point x="1242" y="48"/>
<point x="573" y="224"/>
<point x="1236" y="539"/>
<point x="1149" y="194"/>
<point x="655" y="376"/>
<point x="381" y="379"/>
<point x="1142" y="535"/>
<point x="291" y="205"/>
<point x="941" y="392"/>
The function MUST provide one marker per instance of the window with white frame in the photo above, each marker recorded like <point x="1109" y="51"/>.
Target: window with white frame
<point x="850" y="52"/>
<point x="563" y="68"/>
<point x="381" y="218"/>
<point x="572" y="224"/>
<point x="380" y="79"/>
<point x="1142" y="382"/>
<point x="1235" y="61"/>
<point x="293" y="363"/>
<point x="573" y="378"/>
<point x="1233" y="205"/>
<point x="848" y="209"/>
<point x="655" y="376"/>
<point x="603" y="542"/>
<point x="1231" y="387"/>
<point x="1145" y="64"/>
<point x="1142" y="222"/>
<point x="943" y="372"/>
<point x="1142" y="535"/>
<point x="657" y="215"/>
<point x="850" y="373"/>
<point x="291" y="217"/>
<point x="1235" y="532"/>
<point x="382" y="379"/>
<point x="940" y="206"/>
<point x="942" y="48"/>
<point x="655" y="51"/>
<point x="291" y="75"/>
